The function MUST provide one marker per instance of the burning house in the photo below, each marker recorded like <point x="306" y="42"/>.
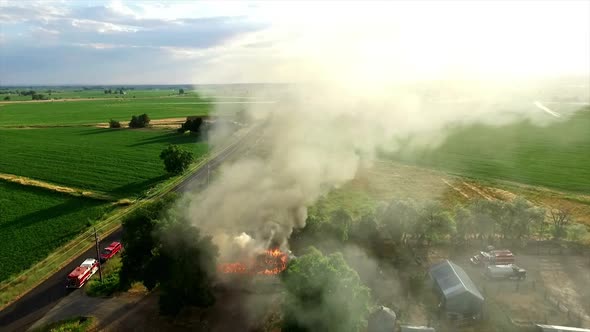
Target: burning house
<point x="268" y="262"/>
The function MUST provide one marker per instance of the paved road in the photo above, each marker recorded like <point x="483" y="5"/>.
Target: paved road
<point x="20" y="315"/>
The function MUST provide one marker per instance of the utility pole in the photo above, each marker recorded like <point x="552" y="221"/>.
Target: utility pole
<point x="98" y="254"/>
<point x="208" y="172"/>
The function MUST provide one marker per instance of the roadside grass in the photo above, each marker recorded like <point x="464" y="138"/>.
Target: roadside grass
<point x="77" y="324"/>
<point x="119" y="162"/>
<point x="110" y="275"/>
<point x="99" y="111"/>
<point x="555" y="156"/>
<point x="34" y="222"/>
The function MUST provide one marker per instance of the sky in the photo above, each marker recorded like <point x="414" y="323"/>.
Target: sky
<point x="182" y="42"/>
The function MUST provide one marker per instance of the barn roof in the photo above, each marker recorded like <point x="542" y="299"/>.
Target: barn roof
<point x="555" y="328"/>
<point x="452" y="280"/>
<point x="417" y="329"/>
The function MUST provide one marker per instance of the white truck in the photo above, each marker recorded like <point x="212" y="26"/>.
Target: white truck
<point x="509" y="271"/>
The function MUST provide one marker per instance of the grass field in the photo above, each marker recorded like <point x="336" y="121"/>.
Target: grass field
<point x="556" y="156"/>
<point x="60" y="113"/>
<point x="117" y="161"/>
<point x="34" y="222"/>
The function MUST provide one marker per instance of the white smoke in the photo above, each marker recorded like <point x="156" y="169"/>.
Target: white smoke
<point x="353" y="103"/>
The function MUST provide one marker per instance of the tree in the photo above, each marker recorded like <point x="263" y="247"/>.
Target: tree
<point x="485" y="215"/>
<point x="141" y="257"/>
<point x="181" y="91"/>
<point x="560" y="217"/>
<point x="433" y="223"/>
<point x="7" y="98"/>
<point x="162" y="249"/>
<point x="464" y="224"/>
<point x="192" y="124"/>
<point x="189" y="260"/>
<point x="323" y="294"/>
<point x="114" y="124"/>
<point x="397" y="220"/>
<point x="176" y="160"/>
<point x="520" y="216"/>
<point x="141" y="121"/>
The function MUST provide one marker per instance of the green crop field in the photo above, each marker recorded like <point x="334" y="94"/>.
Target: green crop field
<point x="121" y="162"/>
<point x="34" y="222"/>
<point x="91" y="93"/>
<point x="60" y="113"/>
<point x="555" y="156"/>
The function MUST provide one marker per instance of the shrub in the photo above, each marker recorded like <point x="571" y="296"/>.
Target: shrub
<point x="141" y="121"/>
<point x="7" y="98"/>
<point x="114" y="124"/>
<point x="192" y="124"/>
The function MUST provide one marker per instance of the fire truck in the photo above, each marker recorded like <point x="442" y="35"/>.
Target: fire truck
<point x="110" y="251"/>
<point x="80" y="275"/>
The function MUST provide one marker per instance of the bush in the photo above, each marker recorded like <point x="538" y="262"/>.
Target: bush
<point x="114" y="124"/>
<point x="192" y="124"/>
<point x="7" y="98"/>
<point x="176" y="160"/>
<point x="141" y="121"/>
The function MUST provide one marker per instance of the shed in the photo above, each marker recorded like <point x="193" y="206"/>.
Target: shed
<point x="406" y="328"/>
<point x="555" y="328"/>
<point x="459" y="296"/>
<point x="382" y="320"/>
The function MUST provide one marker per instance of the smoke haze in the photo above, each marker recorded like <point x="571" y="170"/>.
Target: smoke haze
<point x="365" y="85"/>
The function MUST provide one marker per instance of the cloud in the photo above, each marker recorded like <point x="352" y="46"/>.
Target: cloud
<point x="180" y="33"/>
<point x="421" y="40"/>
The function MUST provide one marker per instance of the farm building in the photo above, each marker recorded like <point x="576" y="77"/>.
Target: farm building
<point x="459" y="297"/>
<point x="417" y="329"/>
<point x="555" y="328"/>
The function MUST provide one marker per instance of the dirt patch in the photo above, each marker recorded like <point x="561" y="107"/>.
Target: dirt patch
<point x="53" y="187"/>
<point x="168" y="123"/>
<point x="455" y="188"/>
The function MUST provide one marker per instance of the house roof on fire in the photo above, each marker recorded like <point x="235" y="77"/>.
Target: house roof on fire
<point x="452" y="280"/>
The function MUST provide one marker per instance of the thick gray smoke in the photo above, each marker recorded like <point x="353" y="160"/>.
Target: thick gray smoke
<point x="360" y="95"/>
<point x="316" y="140"/>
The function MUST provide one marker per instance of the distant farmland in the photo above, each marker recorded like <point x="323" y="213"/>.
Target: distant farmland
<point x="60" y="113"/>
<point x="556" y="156"/>
<point x="34" y="222"/>
<point x="120" y="162"/>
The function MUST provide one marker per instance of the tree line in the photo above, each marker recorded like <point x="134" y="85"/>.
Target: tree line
<point x="397" y="225"/>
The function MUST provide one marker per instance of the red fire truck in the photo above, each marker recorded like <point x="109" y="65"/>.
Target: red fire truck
<point x="110" y="251"/>
<point x="80" y="275"/>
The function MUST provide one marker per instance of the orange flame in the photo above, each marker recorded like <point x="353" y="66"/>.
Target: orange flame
<point x="271" y="262"/>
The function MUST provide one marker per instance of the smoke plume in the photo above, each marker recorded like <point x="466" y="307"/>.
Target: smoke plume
<point x="355" y="94"/>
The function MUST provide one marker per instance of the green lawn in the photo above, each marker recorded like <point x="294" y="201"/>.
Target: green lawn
<point x="60" y="113"/>
<point x="555" y="156"/>
<point x="34" y="222"/>
<point x="121" y="162"/>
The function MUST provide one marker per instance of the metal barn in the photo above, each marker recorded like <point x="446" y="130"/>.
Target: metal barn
<point x="459" y="296"/>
